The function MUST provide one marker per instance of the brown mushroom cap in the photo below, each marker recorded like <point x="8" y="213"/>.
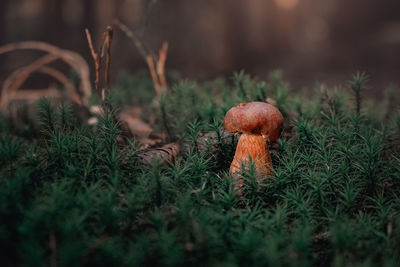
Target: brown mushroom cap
<point x="254" y="118"/>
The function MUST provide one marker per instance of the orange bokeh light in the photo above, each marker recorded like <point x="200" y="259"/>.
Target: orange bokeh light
<point x="286" y="4"/>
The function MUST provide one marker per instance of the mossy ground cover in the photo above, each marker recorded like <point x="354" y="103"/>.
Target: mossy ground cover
<point x="73" y="194"/>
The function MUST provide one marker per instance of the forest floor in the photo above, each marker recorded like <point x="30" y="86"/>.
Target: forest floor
<point x="75" y="193"/>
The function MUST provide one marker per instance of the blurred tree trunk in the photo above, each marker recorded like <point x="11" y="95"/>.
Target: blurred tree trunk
<point x="3" y="11"/>
<point x="3" y="32"/>
<point x="53" y="30"/>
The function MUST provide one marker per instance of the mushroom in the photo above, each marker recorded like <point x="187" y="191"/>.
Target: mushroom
<point x="258" y="122"/>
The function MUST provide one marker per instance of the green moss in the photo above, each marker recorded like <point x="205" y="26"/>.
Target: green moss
<point x="334" y="199"/>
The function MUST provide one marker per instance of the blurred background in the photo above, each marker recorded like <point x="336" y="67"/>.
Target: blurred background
<point x="311" y="41"/>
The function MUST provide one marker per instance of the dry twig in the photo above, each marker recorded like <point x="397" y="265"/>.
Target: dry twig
<point x="97" y="61"/>
<point x="156" y="64"/>
<point x="105" y="43"/>
<point x="162" y="58"/>
<point x="109" y="36"/>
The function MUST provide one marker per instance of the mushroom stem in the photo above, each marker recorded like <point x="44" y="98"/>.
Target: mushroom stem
<point x="255" y="147"/>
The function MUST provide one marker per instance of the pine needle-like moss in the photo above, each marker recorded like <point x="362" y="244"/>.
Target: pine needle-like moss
<point x="76" y="196"/>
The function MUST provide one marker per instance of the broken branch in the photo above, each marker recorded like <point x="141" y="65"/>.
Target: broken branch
<point x="96" y="60"/>
<point x="109" y="36"/>
<point x="161" y="67"/>
<point x="105" y="43"/>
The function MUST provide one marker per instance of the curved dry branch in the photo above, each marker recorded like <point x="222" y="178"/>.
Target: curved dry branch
<point x="75" y="60"/>
<point x="16" y="79"/>
<point x="33" y="95"/>
<point x="59" y="76"/>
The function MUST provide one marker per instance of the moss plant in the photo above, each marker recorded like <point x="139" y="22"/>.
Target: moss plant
<point x="74" y="196"/>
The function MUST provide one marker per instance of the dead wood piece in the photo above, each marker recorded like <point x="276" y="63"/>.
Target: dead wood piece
<point x="145" y="142"/>
<point x="207" y="142"/>
<point x="161" y="136"/>
<point x="162" y="155"/>
<point x="135" y="125"/>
